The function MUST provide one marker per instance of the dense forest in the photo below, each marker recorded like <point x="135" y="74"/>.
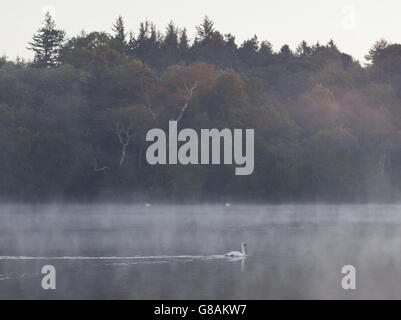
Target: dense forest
<point x="73" y="120"/>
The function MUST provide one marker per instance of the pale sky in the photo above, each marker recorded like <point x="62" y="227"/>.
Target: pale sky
<point x="354" y="25"/>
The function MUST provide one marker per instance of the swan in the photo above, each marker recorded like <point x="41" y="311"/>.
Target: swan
<point x="241" y="254"/>
<point x="147" y="204"/>
<point x="228" y="204"/>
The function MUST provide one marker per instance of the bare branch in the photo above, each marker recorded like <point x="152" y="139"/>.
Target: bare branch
<point x="147" y="98"/>
<point x="97" y="169"/>
<point x="128" y="135"/>
<point x="149" y="105"/>
<point x="189" y="93"/>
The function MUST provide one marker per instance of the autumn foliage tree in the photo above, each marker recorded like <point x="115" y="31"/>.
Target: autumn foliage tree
<point x="326" y="127"/>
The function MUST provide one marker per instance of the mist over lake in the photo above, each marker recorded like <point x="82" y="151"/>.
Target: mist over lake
<point x="177" y="252"/>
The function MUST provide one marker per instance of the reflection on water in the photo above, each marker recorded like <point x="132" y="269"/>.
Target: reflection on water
<point x="177" y="252"/>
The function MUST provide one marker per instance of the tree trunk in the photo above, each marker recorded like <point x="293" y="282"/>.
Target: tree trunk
<point x="123" y="153"/>
<point x="189" y="93"/>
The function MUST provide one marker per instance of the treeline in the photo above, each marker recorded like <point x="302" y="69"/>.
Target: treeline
<point x="73" y="120"/>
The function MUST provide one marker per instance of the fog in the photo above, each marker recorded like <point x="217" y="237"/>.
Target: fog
<point x="176" y="252"/>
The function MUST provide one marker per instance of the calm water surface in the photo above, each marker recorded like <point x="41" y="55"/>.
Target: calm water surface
<point x="177" y="252"/>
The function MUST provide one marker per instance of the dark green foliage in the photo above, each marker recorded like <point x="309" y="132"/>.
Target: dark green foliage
<point x="46" y="43"/>
<point x="119" y="30"/>
<point x="326" y="128"/>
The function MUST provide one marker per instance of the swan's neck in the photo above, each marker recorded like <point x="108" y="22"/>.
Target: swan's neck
<point x="243" y="250"/>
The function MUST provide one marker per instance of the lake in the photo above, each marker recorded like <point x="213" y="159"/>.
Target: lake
<point x="110" y="251"/>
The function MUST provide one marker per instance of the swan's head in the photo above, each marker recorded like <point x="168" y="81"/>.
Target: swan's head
<point x="243" y="244"/>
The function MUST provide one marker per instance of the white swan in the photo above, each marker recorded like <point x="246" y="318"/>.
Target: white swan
<point x="241" y="254"/>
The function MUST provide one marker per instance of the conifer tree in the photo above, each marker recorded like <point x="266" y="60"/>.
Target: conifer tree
<point x="47" y="43"/>
<point x="206" y="29"/>
<point x="183" y="45"/>
<point x="171" y="38"/>
<point x="119" y="30"/>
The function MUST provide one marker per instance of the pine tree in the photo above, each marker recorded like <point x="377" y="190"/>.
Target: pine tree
<point x="119" y="30"/>
<point x="303" y="49"/>
<point x="332" y="45"/>
<point x="205" y="30"/>
<point x="248" y="52"/>
<point x="140" y="43"/>
<point x="286" y="52"/>
<point x="47" y="43"/>
<point x="131" y="45"/>
<point x="171" y="39"/>
<point x="184" y="41"/>
<point x="266" y="48"/>
<point x="377" y="48"/>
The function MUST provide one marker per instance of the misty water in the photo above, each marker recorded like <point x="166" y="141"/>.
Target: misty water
<point x="177" y="252"/>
